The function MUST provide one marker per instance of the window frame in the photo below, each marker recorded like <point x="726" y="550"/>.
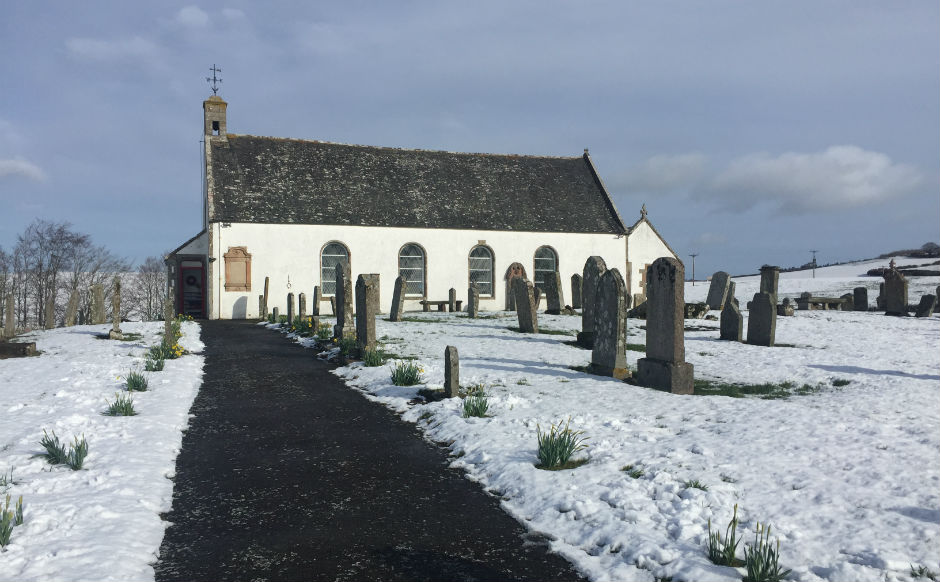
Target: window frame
<point x="535" y="268"/>
<point x="492" y="269"/>
<point x="331" y="281"/>
<point x="424" y="270"/>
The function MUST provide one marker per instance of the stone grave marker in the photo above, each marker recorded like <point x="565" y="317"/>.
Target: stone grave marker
<point x="609" y="354"/>
<point x="554" y="294"/>
<point x="365" y="312"/>
<point x="762" y="320"/>
<point x="261" y="313"/>
<point x="452" y="300"/>
<point x="718" y="290"/>
<point x="769" y="276"/>
<point x="732" y="322"/>
<point x="373" y="279"/>
<point x="785" y="309"/>
<point x="333" y="305"/>
<point x="267" y="284"/>
<point x="473" y="300"/>
<point x="451" y="372"/>
<point x="848" y="302"/>
<point x="168" y="317"/>
<point x="344" y="303"/>
<point x="927" y="305"/>
<point x="576" y="291"/>
<point x="398" y="299"/>
<point x="880" y="300"/>
<point x="731" y="296"/>
<point x="537" y="293"/>
<point x="275" y="312"/>
<point x="895" y="292"/>
<point x="71" y="310"/>
<point x="594" y="269"/>
<point x="302" y="306"/>
<point x="97" y="305"/>
<point x="860" y="299"/>
<point x="664" y="366"/>
<point x="290" y="309"/>
<point x="50" y="311"/>
<point x="526" y="310"/>
<point x="116" y="310"/>
<point x="315" y="302"/>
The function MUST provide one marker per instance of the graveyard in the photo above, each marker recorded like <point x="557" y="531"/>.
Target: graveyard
<point x="830" y="436"/>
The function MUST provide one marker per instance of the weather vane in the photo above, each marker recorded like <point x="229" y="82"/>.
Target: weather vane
<point x="214" y="80"/>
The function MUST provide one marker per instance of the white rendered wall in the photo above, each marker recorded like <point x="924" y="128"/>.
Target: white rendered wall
<point x="644" y="247"/>
<point x="282" y="250"/>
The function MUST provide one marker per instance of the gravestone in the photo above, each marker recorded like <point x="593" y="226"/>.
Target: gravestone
<point x="860" y="299"/>
<point x="524" y="294"/>
<point x="451" y="372"/>
<point x="71" y="310"/>
<point x="848" y="302"/>
<point x="594" y="269"/>
<point x="267" y="282"/>
<point x="373" y="279"/>
<point x="452" y="300"/>
<point x="537" y="293"/>
<point x="365" y="312"/>
<point x="664" y="366"/>
<point x="290" y="309"/>
<point x="880" y="300"/>
<point x="928" y="303"/>
<point x="718" y="290"/>
<point x="473" y="300"/>
<point x="785" y="309"/>
<point x="762" y="320"/>
<point x="732" y="322"/>
<point x="302" y="306"/>
<point x="116" y="310"/>
<point x="398" y="299"/>
<point x="609" y="354"/>
<point x="343" y="301"/>
<point x="168" y="317"/>
<point x="769" y="275"/>
<point x="731" y="296"/>
<point x="261" y="313"/>
<point x="333" y="305"/>
<point x="576" y="291"/>
<point x="50" y="311"/>
<point x="315" y="303"/>
<point x="275" y="313"/>
<point x="895" y="292"/>
<point x="554" y="294"/>
<point x="9" y="329"/>
<point x="97" y="305"/>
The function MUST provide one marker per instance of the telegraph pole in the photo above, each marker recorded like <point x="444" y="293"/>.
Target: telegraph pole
<point x="814" y="262"/>
<point x="693" y="255"/>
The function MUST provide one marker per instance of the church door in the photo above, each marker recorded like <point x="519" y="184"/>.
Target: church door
<point x="192" y="297"/>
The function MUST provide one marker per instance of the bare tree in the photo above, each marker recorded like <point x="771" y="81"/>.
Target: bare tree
<point x="46" y="250"/>
<point x="147" y="290"/>
<point x="91" y="265"/>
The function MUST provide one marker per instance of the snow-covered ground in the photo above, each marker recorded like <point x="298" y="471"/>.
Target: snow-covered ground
<point x="848" y="476"/>
<point x="102" y="522"/>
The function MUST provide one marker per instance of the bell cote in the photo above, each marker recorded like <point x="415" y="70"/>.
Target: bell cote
<point x="214" y="114"/>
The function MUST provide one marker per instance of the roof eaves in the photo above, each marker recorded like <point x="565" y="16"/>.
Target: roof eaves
<point x="607" y="199"/>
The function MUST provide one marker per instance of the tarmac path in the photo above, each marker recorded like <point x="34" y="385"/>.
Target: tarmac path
<point x="286" y="474"/>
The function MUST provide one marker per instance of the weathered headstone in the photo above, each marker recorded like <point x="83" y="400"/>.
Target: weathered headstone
<point x="732" y="322"/>
<point x="731" y="296"/>
<point x="261" y="313"/>
<point x="473" y="300"/>
<point x="769" y="275"/>
<point x="554" y="294"/>
<point x="398" y="299"/>
<point x="860" y="299"/>
<point x="927" y="305"/>
<point x="276" y="314"/>
<point x="718" y="290"/>
<point x="451" y="372"/>
<point x="344" y="303"/>
<point x="373" y="279"/>
<point x="302" y="306"/>
<point x="880" y="300"/>
<point x="537" y="294"/>
<point x="848" y="302"/>
<point x="762" y="320"/>
<point x="365" y="312"/>
<point x="267" y="282"/>
<point x="315" y="303"/>
<point x="609" y="354"/>
<point x="594" y="269"/>
<point x="71" y="310"/>
<point x="895" y="291"/>
<point x="50" y="311"/>
<point x="576" y="291"/>
<point x="116" y="310"/>
<point x="168" y="317"/>
<point x="524" y="293"/>
<point x="452" y="300"/>
<point x="664" y="366"/>
<point x="97" y="305"/>
<point x="9" y="328"/>
<point x="290" y="309"/>
<point x="333" y="305"/>
<point x="785" y="309"/>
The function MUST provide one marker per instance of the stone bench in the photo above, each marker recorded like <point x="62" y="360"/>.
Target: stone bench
<point x="807" y="302"/>
<point x="441" y="305"/>
<point x="17" y="349"/>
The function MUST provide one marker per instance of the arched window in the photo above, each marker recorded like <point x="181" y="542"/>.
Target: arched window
<point x="481" y="269"/>
<point x="546" y="263"/>
<point x="333" y="254"/>
<point x="411" y="269"/>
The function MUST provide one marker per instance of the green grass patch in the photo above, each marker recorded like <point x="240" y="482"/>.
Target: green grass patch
<point x="373" y="358"/>
<point x="546" y="331"/>
<point x="123" y="405"/>
<point x="556" y="447"/>
<point x="420" y="320"/>
<point x="407" y="374"/>
<point x="135" y="382"/>
<point x="695" y="484"/>
<point x="766" y="391"/>
<point x="839" y="382"/>
<point x="632" y="471"/>
<point x="637" y="348"/>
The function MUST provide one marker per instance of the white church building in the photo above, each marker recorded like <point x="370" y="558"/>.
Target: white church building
<point x="291" y="209"/>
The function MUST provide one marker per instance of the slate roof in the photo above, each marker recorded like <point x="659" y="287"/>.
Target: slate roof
<point x="286" y="181"/>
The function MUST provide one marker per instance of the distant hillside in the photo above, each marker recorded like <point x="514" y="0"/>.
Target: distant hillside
<point x="927" y="251"/>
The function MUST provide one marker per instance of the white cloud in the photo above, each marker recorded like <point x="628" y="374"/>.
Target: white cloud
<point x="840" y="177"/>
<point x="126" y="49"/>
<point x="192" y="16"/>
<point x="20" y="167"/>
<point x="665" y="174"/>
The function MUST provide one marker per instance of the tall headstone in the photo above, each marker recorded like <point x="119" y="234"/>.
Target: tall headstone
<point x="290" y="309"/>
<point x="452" y="300"/>
<point x="116" y="310"/>
<point x="880" y="300"/>
<point x="344" y="303"/>
<point x="71" y="310"/>
<point x="302" y="306"/>
<point x="168" y="317"/>
<point x="267" y="284"/>
<point x="261" y="313"/>
<point x="731" y="296"/>
<point x="554" y="294"/>
<point x="732" y="322"/>
<point x="9" y="328"/>
<point x="927" y="305"/>
<point x="594" y="269"/>
<point x="97" y="305"/>
<point x="895" y="292"/>
<point x="762" y="320"/>
<point x="473" y="300"/>
<point x="373" y="279"/>
<point x="451" y="372"/>
<point x="276" y="314"/>
<point x="609" y="354"/>
<point x="398" y="299"/>
<point x="769" y="276"/>
<point x="860" y="298"/>
<point x="50" y="311"/>
<point x="718" y="290"/>
<point x="315" y="303"/>
<point x="365" y="312"/>
<point x="576" y="291"/>
<point x="524" y="293"/>
<point x="664" y="366"/>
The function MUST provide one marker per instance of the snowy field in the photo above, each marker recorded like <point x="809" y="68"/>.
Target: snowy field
<point x="846" y="470"/>
<point x="101" y="522"/>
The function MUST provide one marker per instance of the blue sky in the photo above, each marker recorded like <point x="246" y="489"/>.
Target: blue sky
<point x="752" y="131"/>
